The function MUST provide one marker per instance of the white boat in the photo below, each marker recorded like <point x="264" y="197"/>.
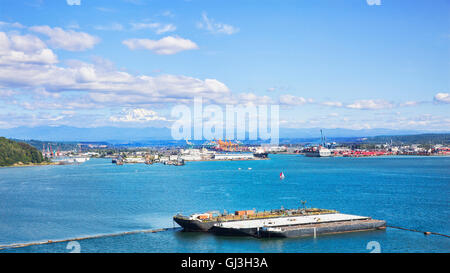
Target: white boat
<point x="80" y="159"/>
<point x="318" y="152"/>
<point x="134" y="160"/>
<point x="282" y="175"/>
<point x="71" y="160"/>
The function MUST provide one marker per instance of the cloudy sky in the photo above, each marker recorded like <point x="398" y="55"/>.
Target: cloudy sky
<point x="331" y="64"/>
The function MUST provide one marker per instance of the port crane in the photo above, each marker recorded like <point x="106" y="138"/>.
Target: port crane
<point x="226" y="145"/>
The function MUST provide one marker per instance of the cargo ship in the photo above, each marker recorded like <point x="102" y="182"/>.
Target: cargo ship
<point x="205" y="221"/>
<point x="320" y="151"/>
<point x="261" y="153"/>
<point x="317" y="152"/>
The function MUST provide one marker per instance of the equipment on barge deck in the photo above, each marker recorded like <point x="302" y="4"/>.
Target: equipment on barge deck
<point x="205" y="221"/>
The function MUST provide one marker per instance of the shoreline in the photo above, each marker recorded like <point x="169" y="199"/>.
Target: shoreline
<point x="31" y="165"/>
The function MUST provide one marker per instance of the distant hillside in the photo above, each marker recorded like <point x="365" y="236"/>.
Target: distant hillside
<point x="117" y="135"/>
<point x="12" y="152"/>
<point x="411" y="139"/>
<point x="63" y="146"/>
<point x="75" y="134"/>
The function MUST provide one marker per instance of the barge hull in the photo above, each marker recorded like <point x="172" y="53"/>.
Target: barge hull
<point x="233" y="231"/>
<point x="193" y="225"/>
<point x="323" y="228"/>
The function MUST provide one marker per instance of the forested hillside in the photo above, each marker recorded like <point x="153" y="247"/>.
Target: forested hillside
<point x="12" y="152"/>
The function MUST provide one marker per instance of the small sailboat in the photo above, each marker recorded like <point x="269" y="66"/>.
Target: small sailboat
<point x="281" y="175"/>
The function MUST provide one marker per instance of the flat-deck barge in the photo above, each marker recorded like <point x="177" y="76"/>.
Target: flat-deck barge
<point x="205" y="221"/>
<point x="279" y="223"/>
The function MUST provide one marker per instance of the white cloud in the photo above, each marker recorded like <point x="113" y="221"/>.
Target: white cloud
<point x="293" y="100"/>
<point x="4" y="93"/>
<point x="373" y="2"/>
<point x="251" y="98"/>
<point x="409" y="103"/>
<point x="370" y="104"/>
<point x="73" y="25"/>
<point x="112" y="26"/>
<point x="214" y="27"/>
<point x="26" y="49"/>
<point x="73" y="2"/>
<point x="157" y="27"/>
<point x="135" y="2"/>
<point x="168" y="13"/>
<point x="12" y="25"/>
<point x="73" y="103"/>
<point x="27" y="43"/>
<point x="166" y="46"/>
<point x="442" y="97"/>
<point x="67" y="39"/>
<point x="165" y="88"/>
<point x="26" y="68"/>
<point x="333" y="103"/>
<point x="166" y="28"/>
<point x="103" y="9"/>
<point x="136" y="115"/>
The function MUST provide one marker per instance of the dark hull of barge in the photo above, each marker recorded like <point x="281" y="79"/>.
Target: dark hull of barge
<point x="193" y="225"/>
<point x="311" y="230"/>
<point x="225" y="231"/>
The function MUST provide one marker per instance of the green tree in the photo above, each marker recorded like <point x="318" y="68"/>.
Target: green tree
<point x="12" y="152"/>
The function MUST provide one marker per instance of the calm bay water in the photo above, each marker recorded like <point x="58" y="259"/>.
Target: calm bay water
<point x="97" y="197"/>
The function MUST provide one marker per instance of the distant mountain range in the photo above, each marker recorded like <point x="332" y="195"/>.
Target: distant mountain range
<point x="126" y="135"/>
<point x="67" y="133"/>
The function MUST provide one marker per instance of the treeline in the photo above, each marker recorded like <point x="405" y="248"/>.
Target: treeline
<point x="411" y="139"/>
<point x="12" y="152"/>
<point x="63" y="146"/>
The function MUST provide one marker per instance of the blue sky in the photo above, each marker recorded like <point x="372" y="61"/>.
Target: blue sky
<point x="331" y="64"/>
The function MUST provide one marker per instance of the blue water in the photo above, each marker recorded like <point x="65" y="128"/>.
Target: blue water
<point x="97" y="197"/>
